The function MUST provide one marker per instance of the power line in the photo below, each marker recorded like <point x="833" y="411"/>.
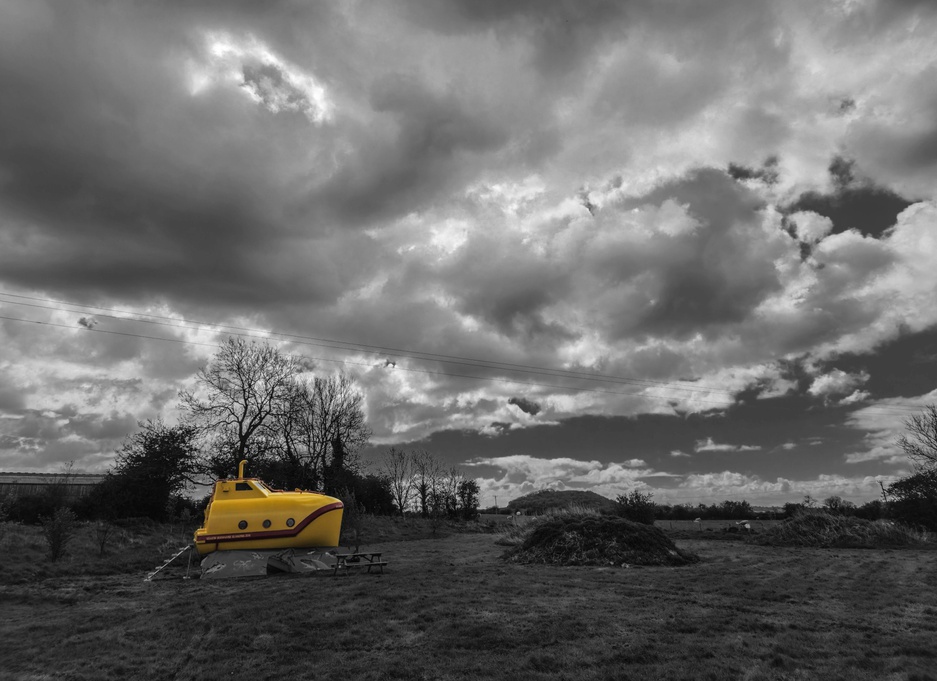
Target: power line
<point x="364" y="364"/>
<point x="419" y="355"/>
<point x="377" y="349"/>
<point x="873" y="409"/>
<point x="356" y="347"/>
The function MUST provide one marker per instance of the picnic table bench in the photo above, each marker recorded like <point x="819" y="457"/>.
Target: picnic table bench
<point x="350" y="560"/>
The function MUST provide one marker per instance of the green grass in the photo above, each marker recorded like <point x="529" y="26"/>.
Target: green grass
<point x="452" y="609"/>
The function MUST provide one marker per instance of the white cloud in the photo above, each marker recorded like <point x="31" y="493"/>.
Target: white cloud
<point x="708" y="445"/>
<point x="711" y="488"/>
<point x="263" y="76"/>
<point x="811" y="227"/>
<point x="838" y="382"/>
<point x="522" y="473"/>
<point x="883" y="423"/>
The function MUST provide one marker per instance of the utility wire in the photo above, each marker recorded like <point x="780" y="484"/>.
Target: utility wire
<point x="873" y="409"/>
<point x="419" y="355"/>
<point x="373" y="349"/>
<point x="364" y="364"/>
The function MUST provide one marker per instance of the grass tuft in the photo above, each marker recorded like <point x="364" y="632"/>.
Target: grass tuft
<point x="597" y="540"/>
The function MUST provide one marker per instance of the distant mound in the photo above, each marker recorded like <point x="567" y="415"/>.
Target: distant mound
<point x="598" y="540"/>
<point x="548" y="499"/>
<point x="824" y="530"/>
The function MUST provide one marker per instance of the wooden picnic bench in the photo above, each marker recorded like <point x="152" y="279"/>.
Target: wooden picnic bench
<point x="351" y="560"/>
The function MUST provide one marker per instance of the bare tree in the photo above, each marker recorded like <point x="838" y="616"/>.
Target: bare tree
<point x="398" y="469"/>
<point x="320" y="431"/>
<point x="340" y="426"/>
<point x="427" y="472"/>
<point x="447" y="492"/>
<point x="921" y="442"/>
<point x="242" y="390"/>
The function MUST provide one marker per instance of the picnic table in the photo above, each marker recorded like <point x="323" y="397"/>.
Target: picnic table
<point x="353" y="560"/>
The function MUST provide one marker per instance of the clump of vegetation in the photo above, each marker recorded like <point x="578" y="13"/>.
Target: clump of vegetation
<point x="637" y="507"/>
<point x="597" y="540"/>
<point x="546" y="500"/>
<point x="516" y="531"/>
<point x="59" y="530"/>
<point x="827" y="530"/>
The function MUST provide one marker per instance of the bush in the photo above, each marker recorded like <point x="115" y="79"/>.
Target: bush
<point x="637" y="507"/>
<point x="598" y="540"/>
<point x="31" y="509"/>
<point x="824" y="530"/>
<point x="913" y="500"/>
<point x="58" y="531"/>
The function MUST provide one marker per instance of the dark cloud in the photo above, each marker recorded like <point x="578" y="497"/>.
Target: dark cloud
<point x="715" y="277"/>
<point x="433" y="134"/>
<point x="117" y="178"/>
<point x="509" y="287"/>
<point x="853" y="204"/>
<point x="525" y="405"/>
<point x="903" y="367"/>
<point x="270" y="85"/>
<point x="562" y="34"/>
<point x="767" y="173"/>
<point x="11" y="397"/>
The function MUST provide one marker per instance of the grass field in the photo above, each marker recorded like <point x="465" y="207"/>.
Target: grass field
<point x="450" y="608"/>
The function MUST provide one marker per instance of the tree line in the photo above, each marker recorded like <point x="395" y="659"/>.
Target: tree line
<point x="252" y="402"/>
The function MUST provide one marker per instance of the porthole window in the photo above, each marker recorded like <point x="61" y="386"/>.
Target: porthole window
<point x="242" y="525"/>
<point x="266" y="523"/>
<point x="290" y="522"/>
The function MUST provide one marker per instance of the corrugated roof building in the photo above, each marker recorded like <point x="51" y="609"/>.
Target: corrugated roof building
<point x="75" y="485"/>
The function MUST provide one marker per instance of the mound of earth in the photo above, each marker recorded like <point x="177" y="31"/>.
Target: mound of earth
<point x="553" y="500"/>
<point x="825" y="530"/>
<point x="598" y="540"/>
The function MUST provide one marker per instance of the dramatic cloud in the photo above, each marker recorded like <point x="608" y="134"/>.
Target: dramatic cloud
<point x="525" y="405"/>
<point x="659" y="226"/>
<point x="261" y="74"/>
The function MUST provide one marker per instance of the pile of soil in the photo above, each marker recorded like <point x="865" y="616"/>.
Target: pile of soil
<point x="598" y="540"/>
<point x="825" y="530"/>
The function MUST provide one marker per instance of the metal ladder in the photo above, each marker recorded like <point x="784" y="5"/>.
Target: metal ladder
<point x="178" y="553"/>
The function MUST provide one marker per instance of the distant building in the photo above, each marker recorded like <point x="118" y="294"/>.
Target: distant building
<point x="75" y="485"/>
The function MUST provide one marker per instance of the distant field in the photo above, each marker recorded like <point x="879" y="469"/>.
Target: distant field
<point x="668" y="525"/>
<point x="504" y="518"/>
<point x="450" y="608"/>
<point x="711" y="525"/>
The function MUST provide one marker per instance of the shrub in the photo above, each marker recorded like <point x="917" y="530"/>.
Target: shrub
<point x="637" y="507"/>
<point x="59" y="530"/>
<point x="31" y="508"/>
<point x="913" y="500"/>
<point x="597" y="540"/>
<point x="821" y="529"/>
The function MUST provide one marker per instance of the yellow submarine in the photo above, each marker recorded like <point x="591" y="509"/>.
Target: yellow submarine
<point x="244" y="515"/>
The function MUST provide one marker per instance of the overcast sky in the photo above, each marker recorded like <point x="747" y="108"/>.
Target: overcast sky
<point x="684" y="247"/>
